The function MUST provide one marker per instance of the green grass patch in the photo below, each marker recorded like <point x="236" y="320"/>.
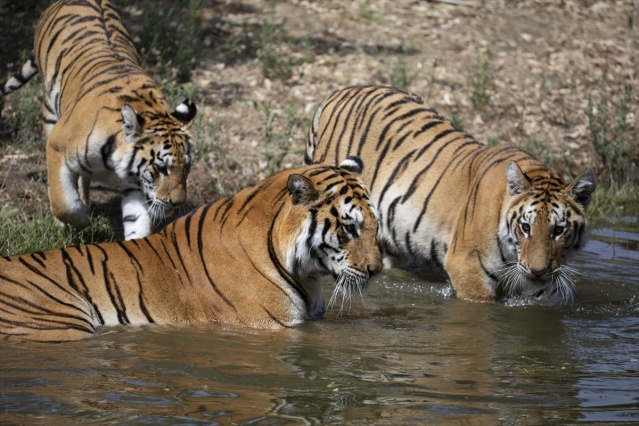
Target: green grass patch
<point x="614" y="202"/>
<point x="22" y="232"/>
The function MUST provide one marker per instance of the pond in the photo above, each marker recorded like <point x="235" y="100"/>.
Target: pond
<point x="411" y="353"/>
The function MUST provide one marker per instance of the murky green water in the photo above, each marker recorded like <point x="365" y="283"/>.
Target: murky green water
<point x="412" y="354"/>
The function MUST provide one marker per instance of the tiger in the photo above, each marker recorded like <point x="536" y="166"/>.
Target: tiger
<point x="255" y="259"/>
<point x="499" y="222"/>
<point x="105" y="119"/>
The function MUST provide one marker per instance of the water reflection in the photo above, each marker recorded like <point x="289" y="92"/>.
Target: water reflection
<point x="412" y="354"/>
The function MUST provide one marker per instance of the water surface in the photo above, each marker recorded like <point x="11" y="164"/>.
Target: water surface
<point x="411" y="354"/>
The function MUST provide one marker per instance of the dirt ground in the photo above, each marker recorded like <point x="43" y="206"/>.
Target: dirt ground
<point x="541" y="60"/>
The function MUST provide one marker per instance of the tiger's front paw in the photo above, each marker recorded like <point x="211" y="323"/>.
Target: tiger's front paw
<point x="77" y="217"/>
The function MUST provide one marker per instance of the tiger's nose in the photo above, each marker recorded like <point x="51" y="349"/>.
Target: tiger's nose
<point x="375" y="269"/>
<point x="178" y="197"/>
<point x="539" y="272"/>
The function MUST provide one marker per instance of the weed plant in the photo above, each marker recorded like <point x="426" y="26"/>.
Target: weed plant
<point x="480" y="81"/>
<point x="611" y="136"/>
<point x="278" y="139"/>
<point x="397" y="74"/>
<point x="179" y="51"/>
<point x="275" y="64"/>
<point x="22" y="116"/>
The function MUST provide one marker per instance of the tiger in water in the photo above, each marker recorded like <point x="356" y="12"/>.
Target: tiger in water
<point x="254" y="259"/>
<point x="105" y="118"/>
<point x="496" y="219"/>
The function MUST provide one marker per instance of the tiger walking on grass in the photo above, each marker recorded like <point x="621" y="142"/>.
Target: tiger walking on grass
<point x="105" y="118"/>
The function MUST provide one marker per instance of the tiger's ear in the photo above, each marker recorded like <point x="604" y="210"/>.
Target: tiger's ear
<point x="517" y="180"/>
<point x="185" y="112"/>
<point x="301" y="190"/>
<point x="353" y="164"/>
<point x="132" y="123"/>
<point x="582" y="188"/>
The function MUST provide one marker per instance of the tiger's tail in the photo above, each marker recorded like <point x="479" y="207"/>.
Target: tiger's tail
<point x="19" y="79"/>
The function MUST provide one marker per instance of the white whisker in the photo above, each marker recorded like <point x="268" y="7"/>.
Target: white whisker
<point x="157" y="210"/>
<point x="347" y="283"/>
<point x="511" y="278"/>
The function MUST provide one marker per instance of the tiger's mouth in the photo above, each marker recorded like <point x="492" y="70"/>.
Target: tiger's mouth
<point x="539" y="281"/>
<point x="347" y="283"/>
<point x="159" y="210"/>
<point x="554" y="288"/>
<point x="555" y="295"/>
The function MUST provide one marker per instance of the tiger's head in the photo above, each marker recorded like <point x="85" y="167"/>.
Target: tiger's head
<point x="160" y="154"/>
<point x="543" y="223"/>
<point x="339" y="228"/>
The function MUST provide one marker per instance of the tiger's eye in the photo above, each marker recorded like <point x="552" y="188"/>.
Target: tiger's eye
<point x="558" y="230"/>
<point x="525" y="227"/>
<point x="350" y="228"/>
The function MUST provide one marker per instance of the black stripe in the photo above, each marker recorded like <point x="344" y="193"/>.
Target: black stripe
<point x="176" y="247"/>
<point x="371" y="120"/>
<point x="280" y="268"/>
<point x="434" y="254"/>
<point x="106" y="151"/>
<point x="204" y="263"/>
<point x="187" y="228"/>
<point x="274" y="318"/>
<point x="72" y="271"/>
<point x="130" y="255"/>
<point x="393" y="176"/>
<point x="33" y="285"/>
<point x="111" y="287"/>
<point x="38" y="261"/>
<point x="42" y="275"/>
<point x="415" y="182"/>
<point x="141" y="302"/>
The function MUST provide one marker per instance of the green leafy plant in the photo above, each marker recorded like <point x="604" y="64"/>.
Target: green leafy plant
<point x="457" y="121"/>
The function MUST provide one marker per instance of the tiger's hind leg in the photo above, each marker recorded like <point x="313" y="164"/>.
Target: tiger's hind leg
<point x="136" y="219"/>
